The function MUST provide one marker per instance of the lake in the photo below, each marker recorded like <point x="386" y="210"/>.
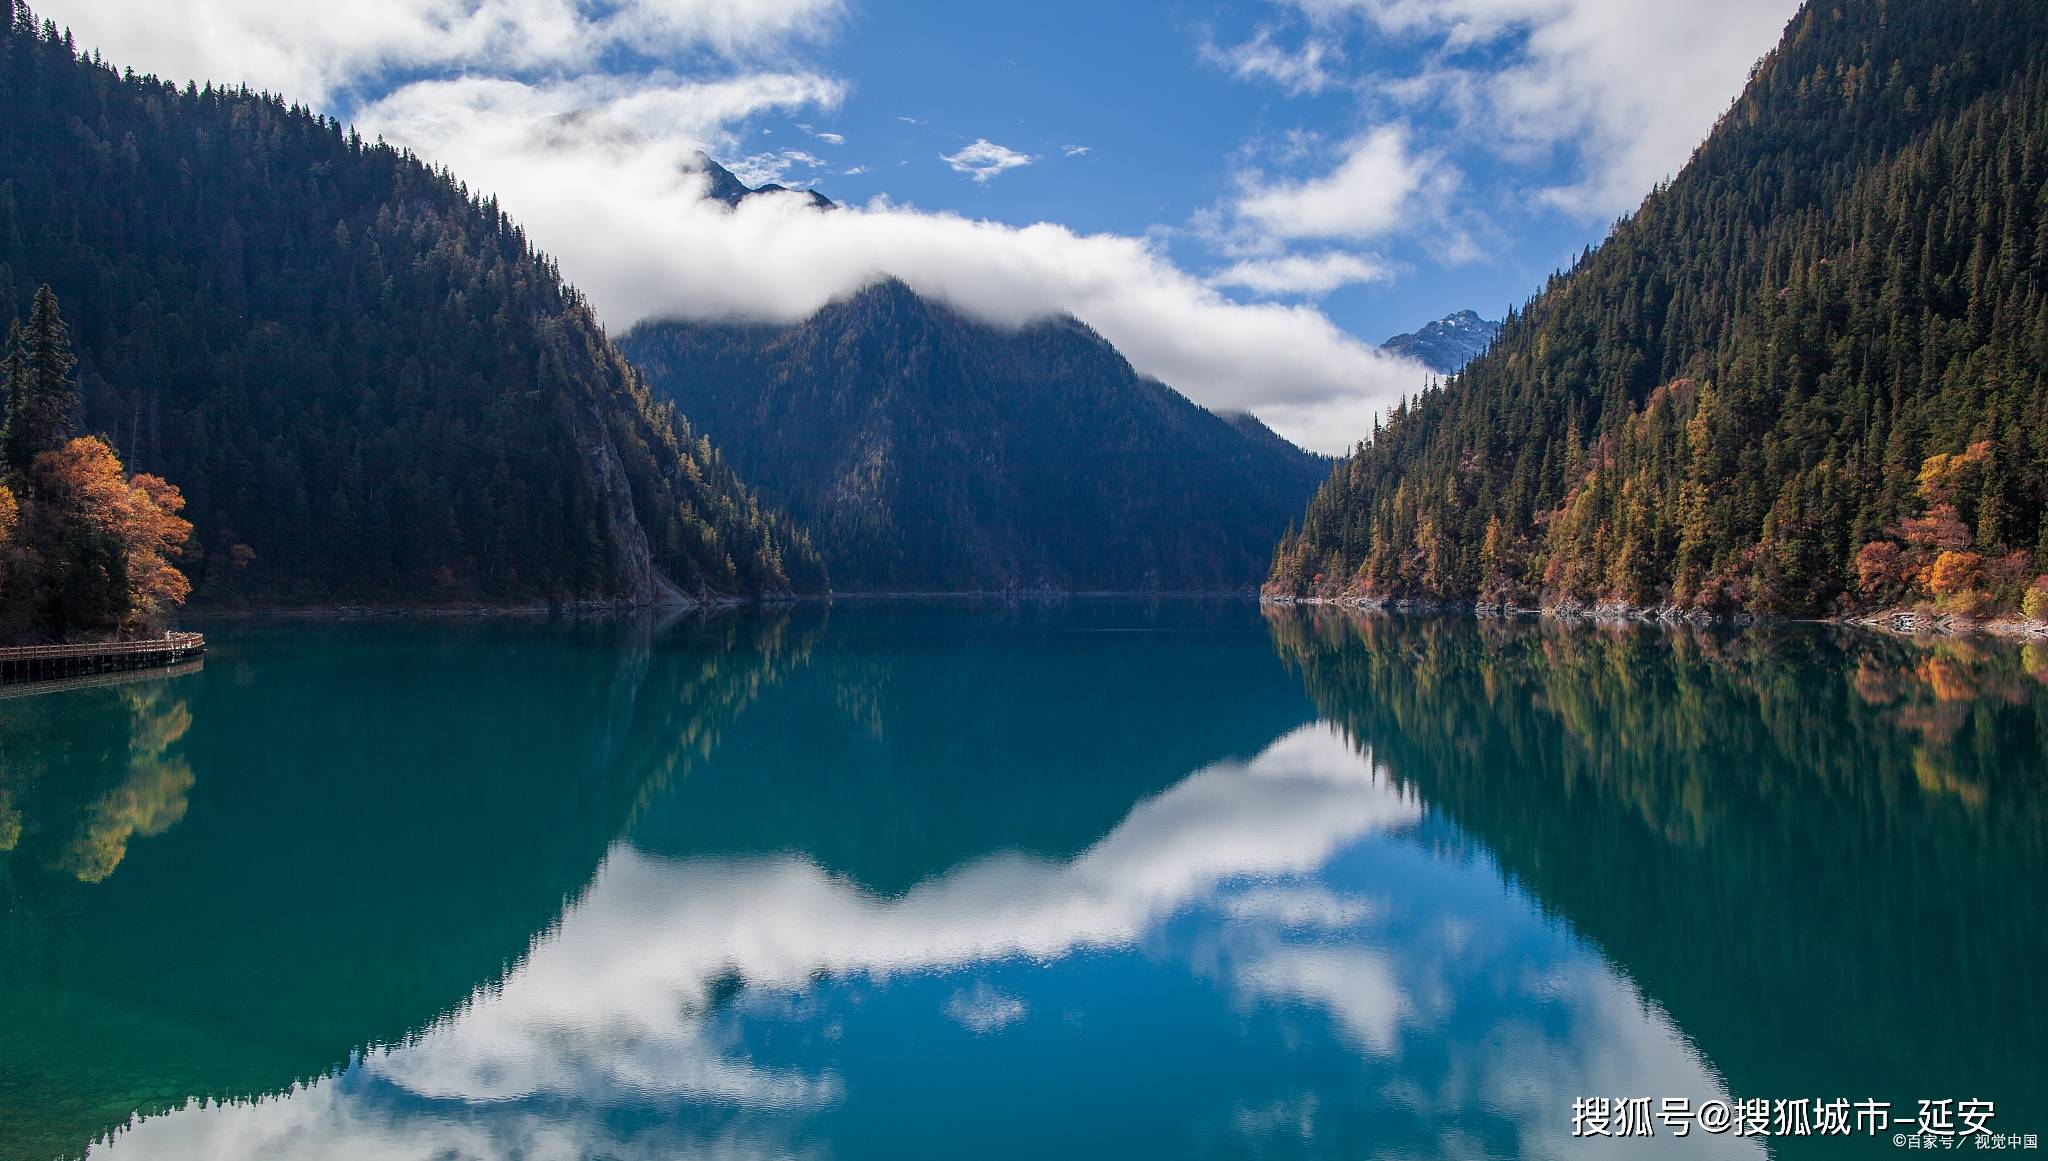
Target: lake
<point x="1084" y="879"/>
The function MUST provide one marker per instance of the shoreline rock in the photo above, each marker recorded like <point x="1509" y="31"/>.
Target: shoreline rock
<point x="1897" y="622"/>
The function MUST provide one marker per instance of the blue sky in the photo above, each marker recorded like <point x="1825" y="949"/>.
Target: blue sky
<point x="1161" y="127"/>
<point x="1245" y="198"/>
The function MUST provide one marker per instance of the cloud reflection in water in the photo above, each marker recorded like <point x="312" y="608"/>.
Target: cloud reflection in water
<point x="1293" y="884"/>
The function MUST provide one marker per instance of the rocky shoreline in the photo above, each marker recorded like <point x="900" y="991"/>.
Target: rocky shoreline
<point x="1898" y="622"/>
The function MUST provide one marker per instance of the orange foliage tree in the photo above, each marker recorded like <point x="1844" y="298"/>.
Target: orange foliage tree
<point x="1937" y="555"/>
<point x="85" y="481"/>
<point x="10" y="516"/>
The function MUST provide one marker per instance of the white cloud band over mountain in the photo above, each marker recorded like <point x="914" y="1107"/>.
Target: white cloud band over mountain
<point x="597" y="177"/>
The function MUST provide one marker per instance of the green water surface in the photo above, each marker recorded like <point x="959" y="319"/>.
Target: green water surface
<point x="1094" y="879"/>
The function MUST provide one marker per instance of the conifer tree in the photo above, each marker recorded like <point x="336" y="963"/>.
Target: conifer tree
<point x="40" y="395"/>
<point x="13" y="382"/>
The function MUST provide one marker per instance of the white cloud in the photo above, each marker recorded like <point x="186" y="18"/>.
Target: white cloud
<point x="1632" y="85"/>
<point x="832" y="138"/>
<point x="984" y="1009"/>
<point x="1374" y="190"/>
<point x="759" y="169"/>
<point x="1358" y="985"/>
<point x="985" y="159"/>
<point x="1304" y="906"/>
<point x="1074" y="150"/>
<point x="1367" y="195"/>
<point x="1626" y="88"/>
<point x="1310" y="274"/>
<point x="603" y="121"/>
<point x="1336" y="423"/>
<point x="497" y="132"/>
<point x="1301" y="71"/>
<point x="313" y="50"/>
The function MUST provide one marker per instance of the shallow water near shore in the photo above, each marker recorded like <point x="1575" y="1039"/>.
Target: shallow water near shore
<point x="1094" y="878"/>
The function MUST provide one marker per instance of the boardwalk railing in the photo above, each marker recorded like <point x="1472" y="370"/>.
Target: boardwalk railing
<point x="42" y="662"/>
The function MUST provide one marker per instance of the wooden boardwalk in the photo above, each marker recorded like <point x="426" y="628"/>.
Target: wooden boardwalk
<point x="52" y="662"/>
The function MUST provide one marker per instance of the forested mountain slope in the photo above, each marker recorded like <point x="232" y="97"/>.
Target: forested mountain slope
<point x="1806" y="376"/>
<point x="363" y="377"/>
<point x="930" y="452"/>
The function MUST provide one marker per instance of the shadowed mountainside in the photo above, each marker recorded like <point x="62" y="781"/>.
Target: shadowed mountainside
<point x="365" y="380"/>
<point x="929" y="452"/>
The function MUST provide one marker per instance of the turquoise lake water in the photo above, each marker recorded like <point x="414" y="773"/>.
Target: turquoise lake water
<point x="1097" y="879"/>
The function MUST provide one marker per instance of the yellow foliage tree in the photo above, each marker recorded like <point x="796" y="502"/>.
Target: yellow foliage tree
<point x="2034" y="606"/>
<point x="1943" y="477"/>
<point x="10" y="515"/>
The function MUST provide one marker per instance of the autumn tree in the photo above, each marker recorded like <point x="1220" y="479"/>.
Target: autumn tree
<point x="1947" y="552"/>
<point x="121" y="534"/>
<point x="10" y="516"/>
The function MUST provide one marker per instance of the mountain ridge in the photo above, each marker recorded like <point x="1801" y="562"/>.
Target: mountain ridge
<point x="1446" y="345"/>
<point x="928" y="451"/>
<point x="725" y="186"/>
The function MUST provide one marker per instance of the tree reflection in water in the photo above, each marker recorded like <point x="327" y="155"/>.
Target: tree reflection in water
<point x="1824" y="853"/>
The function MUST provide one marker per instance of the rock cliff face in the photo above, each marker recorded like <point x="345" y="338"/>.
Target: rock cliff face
<point x="641" y="581"/>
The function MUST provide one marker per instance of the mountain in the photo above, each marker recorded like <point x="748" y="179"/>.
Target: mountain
<point x="1255" y="431"/>
<point x="728" y="188"/>
<point x="1808" y="375"/>
<point x="366" y="382"/>
<point x="1447" y="344"/>
<point x="927" y="451"/>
